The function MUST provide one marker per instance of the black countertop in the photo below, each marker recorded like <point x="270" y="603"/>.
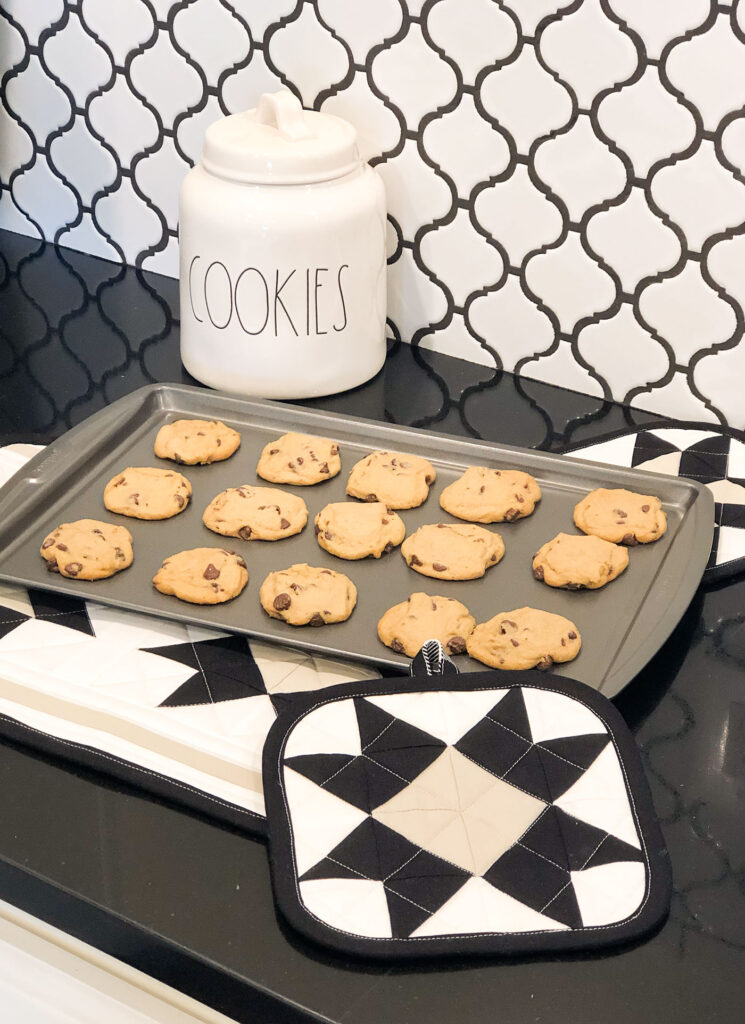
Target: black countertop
<point x="189" y="901"/>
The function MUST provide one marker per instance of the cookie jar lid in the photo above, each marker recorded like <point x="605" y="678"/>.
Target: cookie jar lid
<point x="279" y="143"/>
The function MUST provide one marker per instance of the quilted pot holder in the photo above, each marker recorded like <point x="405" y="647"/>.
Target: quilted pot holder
<point x="438" y="815"/>
<point x="714" y="456"/>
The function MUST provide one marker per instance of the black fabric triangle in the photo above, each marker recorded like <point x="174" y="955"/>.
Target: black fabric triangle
<point x="580" y="750"/>
<point x="706" y="460"/>
<point x="67" y="611"/>
<point x="372" y="850"/>
<point x="193" y="691"/>
<point x="647" y="446"/>
<point x="492" y="746"/>
<point x="732" y="515"/>
<point x="531" y="879"/>
<point x="511" y="713"/>
<point x="230" y="667"/>
<point x="427" y="880"/>
<point x="613" y="850"/>
<point x="565" y="908"/>
<point x="529" y="774"/>
<point x="393" y="743"/>
<point x="405" y="915"/>
<point x="10" y="619"/>
<point x="563" y="839"/>
<point x="328" y="869"/>
<point x="357" y="780"/>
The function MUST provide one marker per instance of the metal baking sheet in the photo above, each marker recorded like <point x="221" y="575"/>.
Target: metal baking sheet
<point x="622" y="625"/>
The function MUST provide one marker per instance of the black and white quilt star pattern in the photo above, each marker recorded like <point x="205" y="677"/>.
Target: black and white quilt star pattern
<point x="494" y="819"/>
<point x="713" y="457"/>
<point x="178" y="710"/>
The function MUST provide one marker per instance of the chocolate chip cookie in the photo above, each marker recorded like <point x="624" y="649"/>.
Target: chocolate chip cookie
<point x="304" y="595"/>
<point x="202" y="575"/>
<point x="146" y="493"/>
<point x="452" y="551"/>
<point x="196" y="442"/>
<point x="407" y="626"/>
<point x="87" y="549"/>
<point x="399" y="481"/>
<point x="484" y="495"/>
<point x="349" y="530"/>
<point x="579" y="563"/>
<point x="620" y="516"/>
<point x="299" y="459"/>
<point x="524" y="638"/>
<point x="256" y="513"/>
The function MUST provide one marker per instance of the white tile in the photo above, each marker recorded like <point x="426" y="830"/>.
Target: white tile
<point x="85" y="237"/>
<point x="465" y="146"/>
<point x="122" y="26"/>
<point x="166" y="79"/>
<point x="518" y="215"/>
<point x="510" y="323"/>
<point x="676" y="399"/>
<point x="455" y="252"/>
<point x="41" y="193"/>
<point x="415" y="194"/>
<point x="85" y="163"/>
<point x="561" y="369"/>
<point x="120" y="118"/>
<point x="34" y="97"/>
<point x="159" y="176"/>
<point x="434" y="84"/>
<point x="569" y="282"/>
<point x="378" y="130"/>
<point x="17" y="148"/>
<point x="214" y="38"/>
<point x="361" y="26"/>
<point x="124" y="207"/>
<point x="413" y="298"/>
<point x="622" y="351"/>
<point x="75" y="57"/>
<point x="309" y="55"/>
<point x="457" y="341"/>
<point x="473" y="33"/>
<point x="709" y="69"/>
<point x="657" y="24"/>
<point x="35" y="17"/>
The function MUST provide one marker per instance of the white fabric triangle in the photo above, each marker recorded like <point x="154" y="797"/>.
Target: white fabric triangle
<point x="479" y="907"/>
<point x="617" y="452"/>
<point x="669" y="464"/>
<point x="37" y="635"/>
<point x="599" y="797"/>
<point x="681" y="437"/>
<point x="355" y="905"/>
<point x="727" y="492"/>
<point x="319" y="819"/>
<point x="731" y="544"/>
<point x="131" y="630"/>
<point x="329" y="729"/>
<point x="553" y="715"/>
<point x="610" y="892"/>
<point x="448" y="715"/>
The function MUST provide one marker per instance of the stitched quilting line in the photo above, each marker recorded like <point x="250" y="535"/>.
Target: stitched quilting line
<point x="30" y="618"/>
<point x="204" y="674"/>
<point x="567" y="884"/>
<point x="362" y="874"/>
<point x="470" y="935"/>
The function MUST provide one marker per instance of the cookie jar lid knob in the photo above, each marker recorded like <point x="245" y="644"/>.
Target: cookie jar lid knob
<point x="280" y="143"/>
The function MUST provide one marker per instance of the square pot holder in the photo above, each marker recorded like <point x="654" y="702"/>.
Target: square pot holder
<point x="506" y="813"/>
<point x="714" y="456"/>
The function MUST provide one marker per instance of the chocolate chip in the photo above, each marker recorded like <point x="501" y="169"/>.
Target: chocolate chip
<point x="300" y="460"/>
<point x="334" y="449"/>
<point x="429" y="479"/>
<point x="538" y="572"/>
<point x="574" y="586"/>
<point x="73" y="568"/>
<point x="507" y="626"/>
<point x="273" y="451"/>
<point x="519" y="498"/>
<point x="397" y="646"/>
<point x="317" y="528"/>
<point x="245" y="532"/>
<point x="200" y="433"/>
<point x="52" y="567"/>
<point x="179" y="500"/>
<point x="241" y="562"/>
<point x="493" y="558"/>
<point x="176" y="458"/>
<point x="119" y="482"/>
<point x="645" y="508"/>
<point x="482" y="489"/>
<point x="439" y="567"/>
<point x="328" y="535"/>
<point x="120" y="554"/>
<point x="62" y="547"/>
<point x="211" y="572"/>
<point x="327" y="572"/>
<point x="620" y="513"/>
<point x="456" y="645"/>
<point x="434" y="606"/>
<point x="218" y="442"/>
<point x="388" y="548"/>
<point x="47" y="543"/>
<point x="629" y="539"/>
<point x="563" y="642"/>
<point x="99" y="532"/>
<point x="515" y="643"/>
<point x="511" y="515"/>
<point x="284" y="524"/>
<point x="415" y="561"/>
<point x="282" y="602"/>
<point x="316" y="620"/>
<point x="135" y="498"/>
<point x="572" y="635"/>
<point x="214" y="587"/>
<point x="384" y="521"/>
<point x="497" y="472"/>
<point x="324" y="467"/>
<point x="291" y="464"/>
<point x="295" y="587"/>
<point x="370" y="497"/>
<point x="545" y="662"/>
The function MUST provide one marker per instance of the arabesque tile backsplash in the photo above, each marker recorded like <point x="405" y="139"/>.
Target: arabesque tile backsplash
<point x="565" y="182"/>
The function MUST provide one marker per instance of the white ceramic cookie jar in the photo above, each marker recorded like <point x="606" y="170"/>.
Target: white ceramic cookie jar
<point x="282" y="255"/>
